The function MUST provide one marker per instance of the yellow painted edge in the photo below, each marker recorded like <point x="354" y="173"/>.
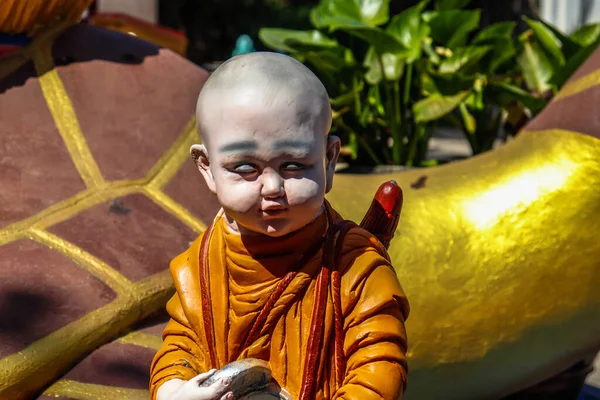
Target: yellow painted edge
<point x="51" y="355"/>
<point x="156" y="283"/>
<point x="69" y="207"/>
<point x="172" y="160"/>
<point x="64" y="116"/>
<point x="579" y="85"/>
<point x="579" y="136"/>
<point x="142" y="339"/>
<point x="111" y="277"/>
<point x="175" y="209"/>
<point x="88" y="391"/>
<point x="13" y="236"/>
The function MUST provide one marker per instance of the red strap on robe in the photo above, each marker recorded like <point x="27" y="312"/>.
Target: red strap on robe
<point x="209" y="329"/>
<point x="333" y="247"/>
<point x="340" y="358"/>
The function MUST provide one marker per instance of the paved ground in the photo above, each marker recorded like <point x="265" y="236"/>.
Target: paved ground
<point x="450" y="143"/>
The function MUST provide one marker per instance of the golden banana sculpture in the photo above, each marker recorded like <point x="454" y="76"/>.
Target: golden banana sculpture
<point x="499" y="254"/>
<point x="500" y="258"/>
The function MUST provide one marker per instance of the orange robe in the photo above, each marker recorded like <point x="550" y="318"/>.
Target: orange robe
<point x="242" y="274"/>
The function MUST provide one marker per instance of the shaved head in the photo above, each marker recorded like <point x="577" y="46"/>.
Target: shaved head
<point x="268" y="80"/>
<point x="264" y="120"/>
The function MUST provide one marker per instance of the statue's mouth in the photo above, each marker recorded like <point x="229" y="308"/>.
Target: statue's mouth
<point x="273" y="212"/>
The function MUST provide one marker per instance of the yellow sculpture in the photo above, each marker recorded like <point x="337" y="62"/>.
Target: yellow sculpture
<point x="499" y="258"/>
<point x="497" y="254"/>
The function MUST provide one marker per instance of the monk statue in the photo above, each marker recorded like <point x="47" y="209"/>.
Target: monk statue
<point x="279" y="276"/>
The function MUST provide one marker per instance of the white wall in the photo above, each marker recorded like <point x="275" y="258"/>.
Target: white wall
<point x="568" y="15"/>
<point x="143" y="9"/>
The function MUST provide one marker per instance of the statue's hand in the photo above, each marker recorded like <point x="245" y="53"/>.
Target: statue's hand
<point x="178" y="389"/>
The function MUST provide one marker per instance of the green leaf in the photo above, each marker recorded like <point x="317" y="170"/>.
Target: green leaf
<point x="462" y="58"/>
<point x="566" y="71"/>
<point x="443" y="5"/>
<point x="468" y="119"/>
<point x="536" y="67"/>
<point x="451" y="28"/>
<point x="374" y="99"/>
<point x="587" y="34"/>
<point x="504" y="93"/>
<point x="358" y="18"/>
<point x="374" y="73"/>
<point x="428" y="86"/>
<point x="503" y="53"/>
<point x="335" y="13"/>
<point x="450" y="85"/>
<point x="408" y="28"/>
<point x="475" y="99"/>
<point x="348" y="97"/>
<point x="547" y="40"/>
<point x="432" y="56"/>
<point x="289" y="41"/>
<point x="569" y="46"/>
<point x="436" y="106"/>
<point x="427" y="16"/>
<point x="340" y="52"/>
<point x="499" y="36"/>
<point x="382" y="41"/>
<point x="501" y="30"/>
<point x="325" y="60"/>
<point x="393" y="66"/>
<point x="374" y="12"/>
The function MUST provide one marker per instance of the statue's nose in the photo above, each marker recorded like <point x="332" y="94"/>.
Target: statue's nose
<point x="272" y="184"/>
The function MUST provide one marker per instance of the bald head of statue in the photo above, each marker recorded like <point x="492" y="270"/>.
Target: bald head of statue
<point x="267" y="77"/>
<point x="264" y="120"/>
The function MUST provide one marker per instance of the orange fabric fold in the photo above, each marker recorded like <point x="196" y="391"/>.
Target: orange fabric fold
<point x="242" y="274"/>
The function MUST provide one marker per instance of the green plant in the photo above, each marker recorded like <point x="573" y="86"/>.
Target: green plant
<point x="548" y="57"/>
<point x="391" y="80"/>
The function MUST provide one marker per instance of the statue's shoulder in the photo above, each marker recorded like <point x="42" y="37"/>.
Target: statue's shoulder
<point x="186" y="263"/>
<point x="355" y="237"/>
<point x="358" y="247"/>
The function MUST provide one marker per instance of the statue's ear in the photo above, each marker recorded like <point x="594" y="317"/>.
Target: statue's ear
<point x="200" y="157"/>
<point x="332" y="154"/>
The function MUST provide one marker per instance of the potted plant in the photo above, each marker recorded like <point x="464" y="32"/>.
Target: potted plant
<point x="393" y="79"/>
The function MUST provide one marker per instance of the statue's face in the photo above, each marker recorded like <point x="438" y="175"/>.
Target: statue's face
<point x="269" y="161"/>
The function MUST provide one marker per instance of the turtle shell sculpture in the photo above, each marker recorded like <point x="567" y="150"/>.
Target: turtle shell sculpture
<point x="96" y="198"/>
<point x="498" y="254"/>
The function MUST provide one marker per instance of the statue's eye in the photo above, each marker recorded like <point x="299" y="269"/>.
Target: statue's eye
<point x="245" y="168"/>
<point x="292" y="166"/>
